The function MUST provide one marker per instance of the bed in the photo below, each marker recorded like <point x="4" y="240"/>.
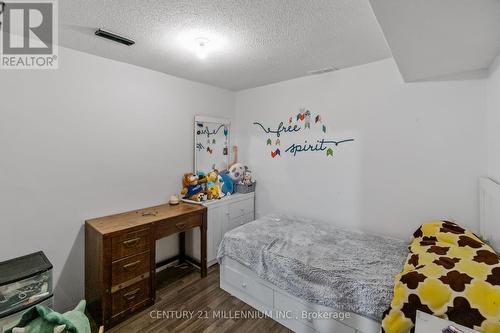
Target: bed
<point x="309" y="276"/>
<point x="313" y="277"/>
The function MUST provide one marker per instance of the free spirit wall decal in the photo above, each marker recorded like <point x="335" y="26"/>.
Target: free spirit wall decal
<point x="300" y="123"/>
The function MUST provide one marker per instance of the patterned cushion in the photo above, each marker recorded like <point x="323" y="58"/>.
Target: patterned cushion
<point x="449" y="273"/>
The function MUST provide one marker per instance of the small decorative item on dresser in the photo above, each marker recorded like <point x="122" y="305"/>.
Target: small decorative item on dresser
<point x="247" y="177"/>
<point x="174" y="200"/>
<point x="243" y="188"/>
<point x="246" y="184"/>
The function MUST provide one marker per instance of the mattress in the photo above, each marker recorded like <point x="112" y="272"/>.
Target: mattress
<point x="321" y="263"/>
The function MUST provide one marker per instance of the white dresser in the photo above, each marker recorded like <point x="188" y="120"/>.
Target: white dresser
<point x="223" y="215"/>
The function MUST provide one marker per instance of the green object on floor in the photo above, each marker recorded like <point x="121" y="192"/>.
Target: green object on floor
<point x="41" y="319"/>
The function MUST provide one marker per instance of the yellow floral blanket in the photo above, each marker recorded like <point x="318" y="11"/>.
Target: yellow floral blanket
<point x="449" y="273"/>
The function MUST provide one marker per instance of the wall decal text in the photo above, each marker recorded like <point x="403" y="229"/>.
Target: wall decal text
<point x="320" y="145"/>
<point x="279" y="129"/>
<point x="303" y="117"/>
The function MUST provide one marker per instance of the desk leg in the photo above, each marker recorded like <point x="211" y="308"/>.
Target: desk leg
<point x="203" y="254"/>
<point x="182" y="247"/>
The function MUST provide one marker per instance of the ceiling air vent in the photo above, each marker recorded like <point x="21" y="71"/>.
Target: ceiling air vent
<point x="114" y="37"/>
<point x="322" y="71"/>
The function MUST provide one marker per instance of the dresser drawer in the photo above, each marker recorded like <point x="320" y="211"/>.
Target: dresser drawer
<point x="129" y="268"/>
<point x="239" y="221"/>
<point x="248" y="218"/>
<point x="234" y="223"/>
<point x="130" y="243"/>
<point x="178" y="224"/>
<point x="249" y="286"/>
<point x="241" y="208"/>
<point x="307" y="314"/>
<point x="127" y="298"/>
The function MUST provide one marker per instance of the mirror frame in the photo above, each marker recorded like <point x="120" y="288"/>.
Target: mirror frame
<point x="215" y="120"/>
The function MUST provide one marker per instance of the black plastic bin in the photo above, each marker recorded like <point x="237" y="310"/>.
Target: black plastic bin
<point x="24" y="282"/>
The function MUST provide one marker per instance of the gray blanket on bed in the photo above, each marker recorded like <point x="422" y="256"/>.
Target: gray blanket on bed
<point x="318" y="262"/>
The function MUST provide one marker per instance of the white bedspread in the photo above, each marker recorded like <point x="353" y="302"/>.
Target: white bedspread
<point x="320" y="263"/>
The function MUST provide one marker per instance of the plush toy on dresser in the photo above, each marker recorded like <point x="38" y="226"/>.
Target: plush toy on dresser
<point x="236" y="172"/>
<point x="247" y="178"/>
<point x="213" y="185"/>
<point x="242" y="178"/>
<point x="192" y="188"/>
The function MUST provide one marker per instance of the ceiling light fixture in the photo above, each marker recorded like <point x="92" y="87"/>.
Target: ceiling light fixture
<point x="199" y="43"/>
<point x="202" y="47"/>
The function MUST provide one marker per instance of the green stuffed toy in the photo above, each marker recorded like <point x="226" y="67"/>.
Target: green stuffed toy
<point x="41" y="319"/>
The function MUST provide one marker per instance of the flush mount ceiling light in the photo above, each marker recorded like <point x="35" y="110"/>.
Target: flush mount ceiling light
<point x="200" y="43"/>
<point x="202" y="47"/>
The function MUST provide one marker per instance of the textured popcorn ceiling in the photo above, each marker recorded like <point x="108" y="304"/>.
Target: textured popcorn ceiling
<point x="256" y="42"/>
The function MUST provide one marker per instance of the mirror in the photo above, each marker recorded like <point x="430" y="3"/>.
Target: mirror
<point x="211" y="144"/>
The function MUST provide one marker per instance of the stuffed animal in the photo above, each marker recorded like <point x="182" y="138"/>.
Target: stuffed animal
<point x="236" y="172"/>
<point x="226" y="184"/>
<point x="203" y="196"/>
<point x="247" y="178"/>
<point x="41" y="319"/>
<point x="213" y="186"/>
<point x="192" y="189"/>
<point x="212" y="178"/>
<point x="213" y="192"/>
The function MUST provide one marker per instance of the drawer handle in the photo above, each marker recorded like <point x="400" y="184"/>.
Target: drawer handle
<point x="131" y="295"/>
<point x="131" y="242"/>
<point x="244" y="285"/>
<point x="131" y="266"/>
<point x="181" y="225"/>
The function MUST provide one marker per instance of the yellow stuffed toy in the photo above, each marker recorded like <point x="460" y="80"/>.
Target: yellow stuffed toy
<point x="213" y="186"/>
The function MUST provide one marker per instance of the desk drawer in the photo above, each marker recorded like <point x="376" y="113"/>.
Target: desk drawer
<point x="129" y="244"/>
<point x="128" y="298"/>
<point x="129" y="268"/>
<point x="241" y="208"/>
<point x="178" y="224"/>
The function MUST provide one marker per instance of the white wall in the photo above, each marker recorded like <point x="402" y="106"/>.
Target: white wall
<point x="419" y="149"/>
<point x="493" y="106"/>
<point x="93" y="138"/>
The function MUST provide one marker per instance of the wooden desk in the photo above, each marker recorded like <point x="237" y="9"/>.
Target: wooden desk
<point x="120" y="257"/>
